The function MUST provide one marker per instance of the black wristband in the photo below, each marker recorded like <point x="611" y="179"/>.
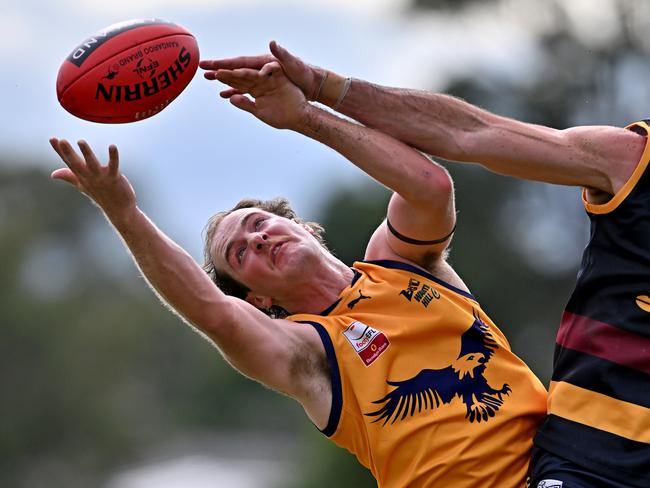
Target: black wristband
<point x="416" y="241"/>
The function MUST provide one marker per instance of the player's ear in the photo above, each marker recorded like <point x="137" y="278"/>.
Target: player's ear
<point x="259" y="301"/>
<point x="308" y="228"/>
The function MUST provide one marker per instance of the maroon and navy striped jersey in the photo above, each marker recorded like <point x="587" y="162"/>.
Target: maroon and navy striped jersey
<point x="599" y="397"/>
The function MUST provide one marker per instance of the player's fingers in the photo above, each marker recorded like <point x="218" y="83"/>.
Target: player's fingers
<point x="270" y="69"/>
<point x="65" y="174"/>
<point x="54" y="142"/>
<point x="296" y="70"/>
<point x="229" y="93"/>
<point x="289" y="61"/>
<point x="89" y="156"/>
<point x="243" y="102"/>
<point x="113" y="160"/>
<point x="279" y="52"/>
<point x="71" y="158"/>
<point x="240" y="79"/>
<point x="229" y="77"/>
<point x="241" y="74"/>
<point x="254" y="62"/>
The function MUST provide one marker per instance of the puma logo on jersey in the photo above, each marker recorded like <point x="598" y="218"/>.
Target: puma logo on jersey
<point x="421" y="293"/>
<point x="643" y="301"/>
<point x="352" y="304"/>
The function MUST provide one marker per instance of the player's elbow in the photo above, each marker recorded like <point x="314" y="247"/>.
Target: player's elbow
<point x="436" y="186"/>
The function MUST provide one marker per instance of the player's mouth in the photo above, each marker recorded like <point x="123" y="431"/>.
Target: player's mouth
<point x="275" y="252"/>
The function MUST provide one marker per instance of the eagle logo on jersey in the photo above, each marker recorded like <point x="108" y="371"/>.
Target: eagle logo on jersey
<point x="464" y="378"/>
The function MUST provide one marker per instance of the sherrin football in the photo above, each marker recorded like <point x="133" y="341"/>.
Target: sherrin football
<point x="128" y="71"/>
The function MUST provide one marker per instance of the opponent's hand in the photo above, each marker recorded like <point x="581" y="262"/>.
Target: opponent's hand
<point x="276" y="101"/>
<point x="301" y="74"/>
<point x="104" y="185"/>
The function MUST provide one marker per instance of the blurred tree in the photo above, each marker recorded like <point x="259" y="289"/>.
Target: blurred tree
<point x="446" y="5"/>
<point x="350" y="216"/>
<point x="94" y="371"/>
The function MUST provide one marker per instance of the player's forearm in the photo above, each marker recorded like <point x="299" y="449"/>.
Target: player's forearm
<point x="391" y="162"/>
<point x="171" y="272"/>
<point x="434" y="123"/>
<point x="447" y="127"/>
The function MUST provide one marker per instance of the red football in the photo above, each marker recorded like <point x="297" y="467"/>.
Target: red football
<point x="128" y="71"/>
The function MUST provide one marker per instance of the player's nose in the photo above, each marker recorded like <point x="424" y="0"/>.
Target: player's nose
<point x="259" y="241"/>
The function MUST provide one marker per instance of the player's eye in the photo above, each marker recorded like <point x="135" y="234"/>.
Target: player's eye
<point x="240" y="254"/>
<point x="258" y="223"/>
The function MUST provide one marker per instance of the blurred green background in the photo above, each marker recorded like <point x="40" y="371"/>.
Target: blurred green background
<point x="102" y="386"/>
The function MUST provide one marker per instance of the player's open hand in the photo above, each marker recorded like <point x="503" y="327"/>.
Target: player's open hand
<point x="301" y="74"/>
<point x="275" y="100"/>
<point x="104" y="184"/>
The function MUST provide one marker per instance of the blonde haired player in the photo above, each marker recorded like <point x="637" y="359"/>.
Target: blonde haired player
<point x="393" y="359"/>
<point x="597" y="432"/>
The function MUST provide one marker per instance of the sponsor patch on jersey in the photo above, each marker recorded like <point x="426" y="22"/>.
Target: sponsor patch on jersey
<point x="549" y="484"/>
<point x="368" y="343"/>
<point x="420" y="292"/>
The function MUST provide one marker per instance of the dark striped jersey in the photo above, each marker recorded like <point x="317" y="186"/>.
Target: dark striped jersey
<point x="599" y="397"/>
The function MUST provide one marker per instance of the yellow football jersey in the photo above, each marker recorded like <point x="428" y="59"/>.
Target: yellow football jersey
<point x="426" y="391"/>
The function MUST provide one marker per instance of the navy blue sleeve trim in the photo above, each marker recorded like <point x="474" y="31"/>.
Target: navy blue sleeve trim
<point x="335" y="376"/>
<point x="329" y="309"/>
<point x="387" y="263"/>
<point x="356" y="277"/>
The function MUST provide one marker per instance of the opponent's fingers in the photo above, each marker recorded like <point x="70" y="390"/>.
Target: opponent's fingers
<point x="230" y="92"/>
<point x="280" y="53"/>
<point x="113" y="160"/>
<point x="244" y="103"/>
<point x="289" y="61"/>
<point x="254" y="62"/>
<point x="300" y="73"/>
<point x="91" y="160"/>
<point x="71" y="158"/>
<point x="65" y="174"/>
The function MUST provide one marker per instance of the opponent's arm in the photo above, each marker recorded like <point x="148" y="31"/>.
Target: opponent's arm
<point x="596" y="157"/>
<point x="267" y="350"/>
<point x="422" y="206"/>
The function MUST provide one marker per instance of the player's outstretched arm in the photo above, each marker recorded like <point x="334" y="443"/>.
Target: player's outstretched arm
<point x="422" y="206"/>
<point x="599" y="157"/>
<point x="259" y="347"/>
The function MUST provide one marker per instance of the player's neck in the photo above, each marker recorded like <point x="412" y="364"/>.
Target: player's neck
<point x="320" y="288"/>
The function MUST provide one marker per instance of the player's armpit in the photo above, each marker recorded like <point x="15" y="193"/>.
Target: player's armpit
<point x="597" y="157"/>
<point x="285" y="356"/>
<point x="612" y="152"/>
